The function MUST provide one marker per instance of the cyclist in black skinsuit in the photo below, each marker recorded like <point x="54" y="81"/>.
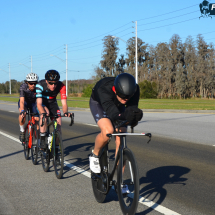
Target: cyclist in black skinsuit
<point x="27" y="100"/>
<point x="47" y="91"/>
<point x="113" y="99"/>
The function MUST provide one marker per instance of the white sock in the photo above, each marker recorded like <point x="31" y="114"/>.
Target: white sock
<point x="22" y="129"/>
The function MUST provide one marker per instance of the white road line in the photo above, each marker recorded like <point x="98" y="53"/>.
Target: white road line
<point x="11" y="111"/>
<point x="90" y="124"/>
<point x="142" y="200"/>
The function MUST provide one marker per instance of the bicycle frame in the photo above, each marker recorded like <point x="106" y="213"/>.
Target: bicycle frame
<point x="30" y="122"/>
<point x="54" y="123"/>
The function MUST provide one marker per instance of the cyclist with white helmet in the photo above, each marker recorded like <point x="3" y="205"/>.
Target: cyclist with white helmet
<point x="27" y="100"/>
<point x="113" y="99"/>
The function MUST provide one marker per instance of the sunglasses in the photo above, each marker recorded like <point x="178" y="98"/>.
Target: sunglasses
<point x="53" y="83"/>
<point x="32" y="83"/>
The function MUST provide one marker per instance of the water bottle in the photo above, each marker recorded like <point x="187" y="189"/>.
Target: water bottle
<point x="49" y="140"/>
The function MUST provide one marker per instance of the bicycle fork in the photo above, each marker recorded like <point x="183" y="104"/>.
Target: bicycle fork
<point x="124" y="145"/>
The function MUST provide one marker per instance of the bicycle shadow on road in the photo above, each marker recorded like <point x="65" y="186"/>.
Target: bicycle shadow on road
<point x="11" y="154"/>
<point x="156" y="179"/>
<point x="81" y="161"/>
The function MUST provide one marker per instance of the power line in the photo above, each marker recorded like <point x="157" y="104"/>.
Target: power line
<point x="169" y="18"/>
<point x="168" y="24"/>
<point x="168" y="13"/>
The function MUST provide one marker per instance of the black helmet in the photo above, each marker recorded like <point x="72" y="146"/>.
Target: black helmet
<point x="52" y="75"/>
<point x="125" y="85"/>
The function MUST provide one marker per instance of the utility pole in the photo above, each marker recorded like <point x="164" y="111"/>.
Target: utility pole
<point x="66" y="73"/>
<point x="31" y="65"/>
<point x="9" y="78"/>
<point x="136" y="69"/>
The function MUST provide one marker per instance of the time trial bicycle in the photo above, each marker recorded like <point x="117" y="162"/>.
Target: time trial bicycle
<point x="54" y="148"/>
<point x="127" y="173"/>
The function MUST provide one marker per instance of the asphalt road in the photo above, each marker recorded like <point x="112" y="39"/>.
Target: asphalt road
<point x="177" y="175"/>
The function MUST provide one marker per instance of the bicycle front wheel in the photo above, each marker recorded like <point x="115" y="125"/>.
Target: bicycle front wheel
<point x="58" y="155"/>
<point x="25" y="143"/>
<point x="128" y="181"/>
<point x="34" y="147"/>
<point x="45" y="158"/>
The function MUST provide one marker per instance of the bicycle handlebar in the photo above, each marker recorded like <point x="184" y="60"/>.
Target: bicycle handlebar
<point x="127" y="123"/>
<point x="57" y="116"/>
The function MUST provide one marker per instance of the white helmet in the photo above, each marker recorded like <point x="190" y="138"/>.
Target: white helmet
<point x="32" y="77"/>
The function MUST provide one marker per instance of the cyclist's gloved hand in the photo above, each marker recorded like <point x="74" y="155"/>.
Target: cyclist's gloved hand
<point x="22" y="112"/>
<point x="67" y="114"/>
<point x="130" y="115"/>
<point x="134" y="124"/>
<point x="138" y="113"/>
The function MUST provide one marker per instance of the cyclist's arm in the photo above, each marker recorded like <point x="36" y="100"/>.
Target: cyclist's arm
<point x="63" y="98"/>
<point x="39" y="105"/>
<point x="22" y="103"/>
<point x="108" y="105"/>
<point x="64" y="105"/>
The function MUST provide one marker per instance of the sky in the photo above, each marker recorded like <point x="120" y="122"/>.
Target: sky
<point x="37" y="29"/>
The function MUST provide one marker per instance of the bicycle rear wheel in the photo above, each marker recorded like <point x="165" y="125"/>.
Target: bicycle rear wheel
<point x="58" y="155"/>
<point x="34" y="147"/>
<point x="98" y="185"/>
<point x="45" y="158"/>
<point x="130" y="177"/>
<point x="25" y="143"/>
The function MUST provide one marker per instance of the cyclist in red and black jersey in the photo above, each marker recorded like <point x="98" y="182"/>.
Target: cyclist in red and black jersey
<point x="113" y="99"/>
<point x="26" y="101"/>
<point x="46" y="93"/>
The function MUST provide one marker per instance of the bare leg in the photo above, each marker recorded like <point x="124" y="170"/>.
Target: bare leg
<point x="101" y="139"/>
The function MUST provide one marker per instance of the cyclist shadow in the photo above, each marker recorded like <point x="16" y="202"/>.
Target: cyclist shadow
<point x="83" y="163"/>
<point x="155" y="179"/>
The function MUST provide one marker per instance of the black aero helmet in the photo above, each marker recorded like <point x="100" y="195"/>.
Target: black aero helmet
<point x="125" y="85"/>
<point x="52" y="75"/>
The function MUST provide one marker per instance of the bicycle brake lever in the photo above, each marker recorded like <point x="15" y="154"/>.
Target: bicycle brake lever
<point x="150" y="136"/>
<point x="72" y="119"/>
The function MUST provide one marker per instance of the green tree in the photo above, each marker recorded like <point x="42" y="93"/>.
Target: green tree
<point x="109" y="55"/>
<point x="148" y="90"/>
<point x="88" y="90"/>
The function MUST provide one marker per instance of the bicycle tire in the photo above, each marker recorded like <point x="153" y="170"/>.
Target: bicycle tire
<point x="58" y="157"/>
<point x="96" y="183"/>
<point x="25" y="143"/>
<point x="34" y="147"/>
<point x="128" y="202"/>
<point x="45" y="158"/>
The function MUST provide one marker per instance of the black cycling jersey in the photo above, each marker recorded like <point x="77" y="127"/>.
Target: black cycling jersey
<point x="106" y="97"/>
<point x="48" y="96"/>
<point x="30" y="96"/>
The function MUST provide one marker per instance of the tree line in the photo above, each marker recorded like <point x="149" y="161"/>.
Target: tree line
<point x="174" y="69"/>
<point x="167" y="70"/>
